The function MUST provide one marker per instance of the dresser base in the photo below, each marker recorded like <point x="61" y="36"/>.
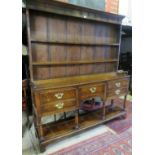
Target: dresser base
<point x="62" y="129"/>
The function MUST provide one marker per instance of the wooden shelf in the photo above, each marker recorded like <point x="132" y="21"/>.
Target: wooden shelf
<point x="73" y="62"/>
<point x="54" y="131"/>
<point x="74" y="43"/>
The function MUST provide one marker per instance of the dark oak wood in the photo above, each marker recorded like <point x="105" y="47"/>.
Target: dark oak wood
<point x="74" y="53"/>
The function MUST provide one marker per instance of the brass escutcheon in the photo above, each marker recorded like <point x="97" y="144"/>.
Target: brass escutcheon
<point x="92" y="89"/>
<point x="59" y="105"/>
<point x="59" y="95"/>
<point x="118" y="84"/>
<point x="117" y="92"/>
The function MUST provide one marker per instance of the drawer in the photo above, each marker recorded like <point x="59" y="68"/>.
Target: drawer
<point x="117" y="92"/>
<point x="59" y="106"/>
<point x="118" y="83"/>
<point x="91" y="90"/>
<point x="57" y="94"/>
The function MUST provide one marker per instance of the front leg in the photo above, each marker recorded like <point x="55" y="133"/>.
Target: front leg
<point x="42" y="148"/>
<point x="124" y="104"/>
<point x="104" y="111"/>
<point x="76" y="119"/>
<point x="110" y="107"/>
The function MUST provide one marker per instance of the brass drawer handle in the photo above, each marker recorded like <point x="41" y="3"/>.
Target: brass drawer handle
<point x="92" y="89"/>
<point x="118" y="84"/>
<point x="117" y="92"/>
<point x="59" y="105"/>
<point x="59" y="95"/>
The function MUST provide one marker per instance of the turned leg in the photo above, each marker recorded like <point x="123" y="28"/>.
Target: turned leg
<point x="77" y="111"/>
<point x="64" y="115"/>
<point x="76" y="119"/>
<point x="41" y="133"/>
<point x="103" y="111"/>
<point x="124" y="104"/>
<point x="124" y="107"/>
<point x="112" y="103"/>
<point x="35" y="124"/>
<point x="42" y="148"/>
<point x="40" y="128"/>
<point x="54" y="117"/>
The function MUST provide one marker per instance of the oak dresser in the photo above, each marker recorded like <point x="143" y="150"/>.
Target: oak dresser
<point x="74" y="55"/>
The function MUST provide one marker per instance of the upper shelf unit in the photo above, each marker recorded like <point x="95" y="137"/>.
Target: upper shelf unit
<point x="68" y="40"/>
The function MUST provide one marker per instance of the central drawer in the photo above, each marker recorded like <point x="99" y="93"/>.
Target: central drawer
<point x="91" y="90"/>
<point x="57" y="95"/>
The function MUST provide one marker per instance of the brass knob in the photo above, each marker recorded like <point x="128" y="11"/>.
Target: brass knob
<point x="92" y="89"/>
<point x="59" y="105"/>
<point x="59" y="95"/>
<point x="117" y="92"/>
<point x="118" y="84"/>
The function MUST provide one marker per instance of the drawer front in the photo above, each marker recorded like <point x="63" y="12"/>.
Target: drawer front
<point x="56" y="95"/>
<point x="118" y="83"/>
<point x="91" y="90"/>
<point x="117" y="92"/>
<point x="59" y="106"/>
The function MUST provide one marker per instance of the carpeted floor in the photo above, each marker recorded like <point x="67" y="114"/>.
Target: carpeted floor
<point x="121" y="125"/>
<point x="108" y="143"/>
<point x="104" y="144"/>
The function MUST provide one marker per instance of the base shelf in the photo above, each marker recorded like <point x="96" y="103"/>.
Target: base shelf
<point x="55" y="131"/>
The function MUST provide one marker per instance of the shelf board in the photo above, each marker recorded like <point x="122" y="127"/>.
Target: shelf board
<point x="73" y="62"/>
<point x="54" y="131"/>
<point x="74" y="43"/>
